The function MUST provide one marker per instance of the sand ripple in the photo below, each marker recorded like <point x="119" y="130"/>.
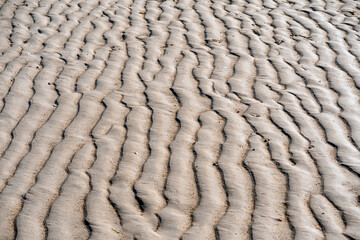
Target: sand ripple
<point x="179" y="119"/>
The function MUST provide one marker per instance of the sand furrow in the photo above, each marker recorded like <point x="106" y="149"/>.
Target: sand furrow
<point x="297" y="196"/>
<point x="211" y="82"/>
<point x="48" y="72"/>
<point x="11" y="112"/>
<point x="20" y="32"/>
<point x="179" y="119"/>
<point x="103" y="169"/>
<point x="135" y="149"/>
<point x="319" y="99"/>
<point x="265" y="108"/>
<point x="324" y="161"/>
<point x="344" y="67"/>
<point x="108" y="135"/>
<point x="239" y="185"/>
<point x="268" y="221"/>
<point x="72" y="195"/>
<point x="299" y="214"/>
<point x="133" y="154"/>
<point x="42" y="146"/>
<point x="236" y="180"/>
<point x="332" y="225"/>
<point x="105" y="126"/>
<point x="64" y="143"/>
<point x="7" y="13"/>
<point x="35" y="40"/>
<point x="158" y="17"/>
<point x="208" y="178"/>
<point x="163" y="104"/>
<point x="182" y="198"/>
<point x="328" y="110"/>
<point x="36" y="116"/>
<point x="39" y="199"/>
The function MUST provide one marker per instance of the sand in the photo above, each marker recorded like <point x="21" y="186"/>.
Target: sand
<point x="179" y="119"/>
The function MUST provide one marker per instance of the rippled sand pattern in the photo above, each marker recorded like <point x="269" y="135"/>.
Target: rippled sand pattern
<point x="179" y="119"/>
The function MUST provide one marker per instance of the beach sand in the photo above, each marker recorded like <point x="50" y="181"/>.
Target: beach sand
<point x="179" y="119"/>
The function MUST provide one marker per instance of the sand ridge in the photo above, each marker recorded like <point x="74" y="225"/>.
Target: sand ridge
<point x="179" y="119"/>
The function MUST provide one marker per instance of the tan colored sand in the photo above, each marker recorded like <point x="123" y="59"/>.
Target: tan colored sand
<point x="179" y="119"/>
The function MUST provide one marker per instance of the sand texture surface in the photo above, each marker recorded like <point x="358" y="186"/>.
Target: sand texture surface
<point x="179" y="119"/>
